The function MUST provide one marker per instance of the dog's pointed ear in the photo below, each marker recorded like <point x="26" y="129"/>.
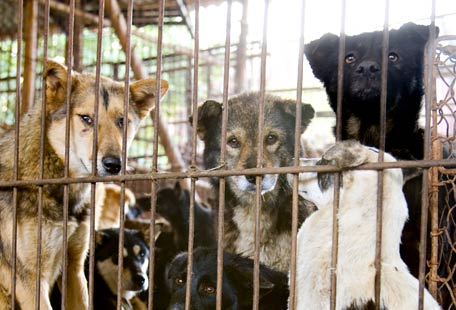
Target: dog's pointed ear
<point x="177" y="189"/>
<point x="143" y="94"/>
<point x="56" y="77"/>
<point x="100" y="236"/>
<point x="307" y="112"/>
<point x="243" y="274"/>
<point x="208" y="114"/>
<point x="322" y="55"/>
<point x="417" y="33"/>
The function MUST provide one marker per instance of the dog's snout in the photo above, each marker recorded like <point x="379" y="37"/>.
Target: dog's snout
<point x="139" y="279"/>
<point x="112" y="164"/>
<point x="176" y="307"/>
<point x="367" y="67"/>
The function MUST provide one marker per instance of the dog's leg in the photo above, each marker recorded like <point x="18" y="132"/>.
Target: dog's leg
<point x="77" y="292"/>
<point x="25" y="294"/>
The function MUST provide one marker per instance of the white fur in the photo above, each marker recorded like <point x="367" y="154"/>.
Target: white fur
<point x="356" y="248"/>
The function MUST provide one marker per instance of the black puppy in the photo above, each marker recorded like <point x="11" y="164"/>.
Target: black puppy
<point x="134" y="271"/>
<point x="361" y="102"/>
<point x="362" y="84"/>
<point x="237" y="283"/>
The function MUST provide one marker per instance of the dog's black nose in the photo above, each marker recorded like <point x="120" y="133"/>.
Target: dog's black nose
<point x="111" y="164"/>
<point x="367" y="67"/>
<point x="139" y="279"/>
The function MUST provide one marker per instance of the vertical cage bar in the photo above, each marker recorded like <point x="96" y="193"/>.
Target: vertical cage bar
<point x="156" y="118"/>
<point x="17" y="109"/>
<point x="258" y="202"/>
<point x="41" y="170"/>
<point x="427" y="155"/>
<point x="222" y="184"/>
<point x="69" y="63"/>
<point x="93" y="186"/>
<point x="128" y="56"/>
<point x="380" y="173"/>
<point x="335" y="220"/>
<point x="191" y="226"/>
<point x="294" y="223"/>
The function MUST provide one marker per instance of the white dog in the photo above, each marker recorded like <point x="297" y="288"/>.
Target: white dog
<point x="357" y="227"/>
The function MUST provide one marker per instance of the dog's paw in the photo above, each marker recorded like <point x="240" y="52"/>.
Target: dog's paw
<point x="349" y="153"/>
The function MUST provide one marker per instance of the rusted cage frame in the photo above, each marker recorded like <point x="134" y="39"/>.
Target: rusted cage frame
<point x="194" y="173"/>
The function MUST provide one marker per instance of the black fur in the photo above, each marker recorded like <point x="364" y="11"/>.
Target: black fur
<point x="361" y="102"/>
<point x="362" y="84"/>
<point x="237" y="283"/>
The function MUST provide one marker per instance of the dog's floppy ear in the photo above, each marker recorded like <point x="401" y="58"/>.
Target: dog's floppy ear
<point x="307" y="112"/>
<point x="208" y="114"/>
<point x="322" y="56"/>
<point x="56" y="77"/>
<point x="417" y="33"/>
<point x="142" y="93"/>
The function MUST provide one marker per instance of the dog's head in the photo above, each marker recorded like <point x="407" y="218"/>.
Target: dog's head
<point x="135" y="260"/>
<point x="82" y="106"/>
<point x="237" y="285"/>
<point x="242" y="137"/>
<point x="362" y="66"/>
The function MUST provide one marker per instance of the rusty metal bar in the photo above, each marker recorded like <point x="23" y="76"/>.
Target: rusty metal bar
<point x="222" y="183"/>
<point x="193" y="173"/>
<point x="258" y="201"/>
<point x="156" y="117"/>
<point x="123" y="168"/>
<point x="69" y="62"/>
<point x="191" y="224"/>
<point x="17" y="109"/>
<point x="381" y="155"/>
<point x="93" y="186"/>
<point x="335" y="219"/>
<point x="41" y="162"/>
<point x="427" y="154"/>
<point x="297" y="143"/>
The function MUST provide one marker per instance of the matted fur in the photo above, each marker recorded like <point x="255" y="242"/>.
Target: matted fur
<point x="82" y="107"/>
<point x="355" y="270"/>
<point x="240" y="194"/>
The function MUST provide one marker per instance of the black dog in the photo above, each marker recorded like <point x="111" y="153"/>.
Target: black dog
<point x="134" y="272"/>
<point x="362" y="84"/>
<point x="237" y="283"/>
<point x="361" y="102"/>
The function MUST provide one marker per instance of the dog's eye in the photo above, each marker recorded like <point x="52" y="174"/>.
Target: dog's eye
<point x="179" y="281"/>
<point x="271" y="139"/>
<point x="142" y="253"/>
<point x="393" y="57"/>
<point x="234" y="143"/>
<point x="209" y="290"/>
<point x="120" y="122"/>
<point x="350" y="58"/>
<point x="86" y="119"/>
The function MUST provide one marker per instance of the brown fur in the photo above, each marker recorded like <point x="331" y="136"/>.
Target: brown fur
<point x="109" y="205"/>
<point x="81" y="104"/>
<point x="240" y="191"/>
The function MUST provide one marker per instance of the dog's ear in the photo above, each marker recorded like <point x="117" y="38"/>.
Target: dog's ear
<point x="307" y="112"/>
<point x="142" y="93"/>
<point x="208" y="114"/>
<point x="177" y="189"/>
<point x="322" y="55"/>
<point x="56" y="77"/>
<point x="417" y="33"/>
<point x="243" y="274"/>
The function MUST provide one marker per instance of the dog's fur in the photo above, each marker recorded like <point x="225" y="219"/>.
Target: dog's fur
<point x="108" y="198"/>
<point x="134" y="272"/>
<point x="362" y="84"/>
<point x="240" y="194"/>
<point x="81" y="111"/>
<point x="237" y="286"/>
<point x="361" y="102"/>
<point x="356" y="241"/>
